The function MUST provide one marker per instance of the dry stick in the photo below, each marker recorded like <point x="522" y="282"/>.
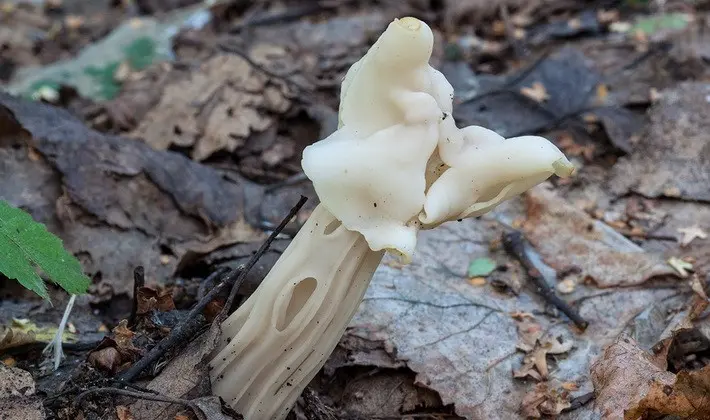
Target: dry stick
<point x="578" y="402"/>
<point x="234" y="278"/>
<point x="264" y="247"/>
<point x="141" y="395"/>
<point x="138" y="282"/>
<point x="178" y="334"/>
<point x="515" y="244"/>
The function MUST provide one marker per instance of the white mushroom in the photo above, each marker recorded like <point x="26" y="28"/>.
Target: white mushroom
<point x="397" y="163"/>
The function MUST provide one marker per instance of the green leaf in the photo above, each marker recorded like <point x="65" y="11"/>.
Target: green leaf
<point x="481" y="267"/>
<point x="26" y="245"/>
<point x="666" y="22"/>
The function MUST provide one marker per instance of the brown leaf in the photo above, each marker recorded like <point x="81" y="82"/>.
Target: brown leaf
<point x="117" y="202"/>
<point x="150" y="299"/>
<point x="623" y="377"/>
<point x="544" y="400"/>
<point x="123" y="335"/>
<point x="529" y="332"/>
<point x="536" y="92"/>
<point x="106" y="360"/>
<point x="674" y="158"/>
<point x="567" y="237"/>
<point x="213" y="109"/>
<point x="185" y="374"/>
<point x="686" y="397"/>
<point x="123" y="413"/>
<point x="17" y="395"/>
<point x="537" y="345"/>
<point x="13" y="337"/>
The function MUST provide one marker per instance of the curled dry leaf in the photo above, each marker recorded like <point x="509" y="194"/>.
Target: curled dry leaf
<point x="150" y="299"/>
<point x="623" y="376"/>
<point x="544" y="400"/>
<point x="123" y="413"/>
<point x="114" y="353"/>
<point x="107" y="359"/>
<point x="537" y="345"/>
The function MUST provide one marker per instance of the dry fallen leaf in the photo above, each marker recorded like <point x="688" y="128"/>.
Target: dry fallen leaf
<point x="150" y="299"/>
<point x="477" y="281"/>
<point x="106" y="360"/>
<point x="544" y="401"/>
<point x="537" y="92"/>
<point x="688" y="234"/>
<point x="680" y="266"/>
<point x="537" y="345"/>
<point x="675" y="160"/>
<point x="622" y="377"/>
<point x="697" y="287"/>
<point x="215" y="108"/>
<point x="568" y="237"/>
<point x="17" y="395"/>
<point x="123" y="413"/>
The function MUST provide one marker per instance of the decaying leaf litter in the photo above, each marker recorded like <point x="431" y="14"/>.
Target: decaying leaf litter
<point x="178" y="151"/>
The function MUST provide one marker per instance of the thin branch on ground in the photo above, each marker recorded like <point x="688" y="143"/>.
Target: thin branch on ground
<point x="178" y="334"/>
<point x="141" y="395"/>
<point x="517" y="246"/>
<point x="580" y="401"/>
<point x="138" y="282"/>
<point x="248" y="266"/>
<point x="185" y="328"/>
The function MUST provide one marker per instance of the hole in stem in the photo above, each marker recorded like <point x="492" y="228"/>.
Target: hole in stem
<point x="332" y="227"/>
<point x="300" y="295"/>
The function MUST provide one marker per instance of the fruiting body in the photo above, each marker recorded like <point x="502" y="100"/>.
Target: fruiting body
<point x="276" y="342"/>
<point x="396" y="164"/>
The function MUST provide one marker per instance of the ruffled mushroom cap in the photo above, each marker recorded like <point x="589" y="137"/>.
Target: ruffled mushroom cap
<point x="484" y="175"/>
<point x="398" y="163"/>
<point x="370" y="172"/>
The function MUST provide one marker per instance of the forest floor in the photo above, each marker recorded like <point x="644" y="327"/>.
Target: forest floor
<point x="161" y="140"/>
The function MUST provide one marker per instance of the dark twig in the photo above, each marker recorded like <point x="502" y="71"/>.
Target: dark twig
<point x="515" y="244"/>
<point x="229" y="47"/>
<point x="178" y="334"/>
<point x="140" y="395"/>
<point x="245" y="270"/>
<point x="138" y="282"/>
<point x="579" y="402"/>
<point x="286" y="16"/>
<point x="235" y="278"/>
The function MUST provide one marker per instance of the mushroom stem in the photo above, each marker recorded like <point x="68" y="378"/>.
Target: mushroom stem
<point x="277" y="341"/>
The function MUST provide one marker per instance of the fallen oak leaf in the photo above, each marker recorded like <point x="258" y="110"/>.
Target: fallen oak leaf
<point x="123" y="413"/>
<point x="536" y="92"/>
<point x="544" y="400"/>
<point x="537" y="345"/>
<point x="686" y="397"/>
<point x="622" y="377"/>
<point x="151" y="299"/>
<point x="688" y="234"/>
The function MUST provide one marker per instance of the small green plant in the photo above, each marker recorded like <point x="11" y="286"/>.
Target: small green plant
<point x="26" y="248"/>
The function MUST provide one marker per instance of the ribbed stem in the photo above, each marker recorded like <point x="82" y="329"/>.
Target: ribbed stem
<point x="277" y="341"/>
